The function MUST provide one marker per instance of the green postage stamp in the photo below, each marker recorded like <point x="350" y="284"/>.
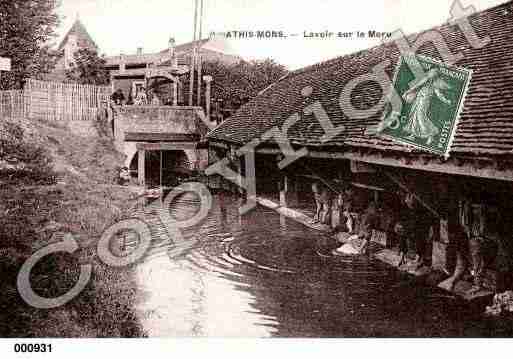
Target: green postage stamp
<point x="430" y="107"/>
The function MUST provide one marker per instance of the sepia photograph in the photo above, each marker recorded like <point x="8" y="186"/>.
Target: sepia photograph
<point x="255" y="169"/>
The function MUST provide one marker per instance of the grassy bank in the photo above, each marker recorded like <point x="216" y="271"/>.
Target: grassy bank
<point x="53" y="182"/>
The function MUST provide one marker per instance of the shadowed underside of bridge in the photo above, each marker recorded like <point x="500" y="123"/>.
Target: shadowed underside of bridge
<point x="172" y="136"/>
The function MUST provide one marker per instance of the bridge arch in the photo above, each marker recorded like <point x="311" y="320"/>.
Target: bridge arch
<point x="162" y="75"/>
<point x="175" y="131"/>
<point x="175" y="164"/>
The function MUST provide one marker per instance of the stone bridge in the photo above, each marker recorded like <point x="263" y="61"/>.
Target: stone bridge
<point x="177" y="130"/>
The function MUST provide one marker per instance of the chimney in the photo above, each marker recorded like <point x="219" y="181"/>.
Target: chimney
<point x="139" y="51"/>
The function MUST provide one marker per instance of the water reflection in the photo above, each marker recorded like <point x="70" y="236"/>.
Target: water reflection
<point x="260" y="275"/>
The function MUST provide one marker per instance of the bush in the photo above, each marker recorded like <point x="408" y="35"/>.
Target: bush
<point x="22" y="162"/>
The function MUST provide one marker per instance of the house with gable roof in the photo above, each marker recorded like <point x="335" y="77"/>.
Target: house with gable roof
<point x="76" y="38"/>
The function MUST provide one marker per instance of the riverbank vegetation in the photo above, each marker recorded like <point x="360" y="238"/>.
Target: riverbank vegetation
<point x="53" y="182"/>
<point x="27" y="30"/>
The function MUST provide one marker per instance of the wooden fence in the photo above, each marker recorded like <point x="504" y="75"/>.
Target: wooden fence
<point x="54" y="101"/>
<point x="59" y="101"/>
<point x="12" y="103"/>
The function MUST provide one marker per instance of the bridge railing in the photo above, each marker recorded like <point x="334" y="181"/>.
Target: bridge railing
<point x="159" y="119"/>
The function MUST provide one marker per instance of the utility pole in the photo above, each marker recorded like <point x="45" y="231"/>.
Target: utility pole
<point x="199" y="59"/>
<point x="193" y="55"/>
<point x="160" y="174"/>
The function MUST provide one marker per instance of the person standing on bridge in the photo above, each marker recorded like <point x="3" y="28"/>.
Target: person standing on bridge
<point x="154" y="99"/>
<point x="118" y="98"/>
<point x="141" y="99"/>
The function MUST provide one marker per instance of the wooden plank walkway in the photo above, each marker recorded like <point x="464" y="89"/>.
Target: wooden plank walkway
<point x="294" y="214"/>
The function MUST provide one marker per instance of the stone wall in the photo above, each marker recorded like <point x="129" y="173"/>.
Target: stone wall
<point x="155" y="119"/>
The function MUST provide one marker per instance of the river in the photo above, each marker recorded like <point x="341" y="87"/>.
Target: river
<point x="261" y="276"/>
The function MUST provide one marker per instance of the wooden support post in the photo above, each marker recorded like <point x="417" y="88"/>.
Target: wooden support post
<point x="238" y="165"/>
<point x="141" y="173"/>
<point x="175" y="93"/>
<point x="283" y="223"/>
<point x="440" y="256"/>
<point x="208" y="81"/>
<point x="295" y="191"/>
<point x="284" y="187"/>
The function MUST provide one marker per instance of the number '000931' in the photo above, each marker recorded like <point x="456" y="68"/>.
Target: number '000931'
<point x="32" y="348"/>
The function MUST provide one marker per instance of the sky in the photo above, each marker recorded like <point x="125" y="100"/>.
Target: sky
<point x="121" y="26"/>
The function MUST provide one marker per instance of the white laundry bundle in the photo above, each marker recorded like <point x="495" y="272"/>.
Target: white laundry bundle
<point x="502" y="302"/>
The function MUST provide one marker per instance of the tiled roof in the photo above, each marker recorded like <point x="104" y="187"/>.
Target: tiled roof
<point x="84" y="39"/>
<point x="486" y="122"/>
<point x="181" y="50"/>
<point x="143" y="59"/>
<point x="188" y="46"/>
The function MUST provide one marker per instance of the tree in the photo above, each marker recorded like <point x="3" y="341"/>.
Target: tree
<point x="88" y="68"/>
<point x="26" y="29"/>
<point x="236" y="84"/>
